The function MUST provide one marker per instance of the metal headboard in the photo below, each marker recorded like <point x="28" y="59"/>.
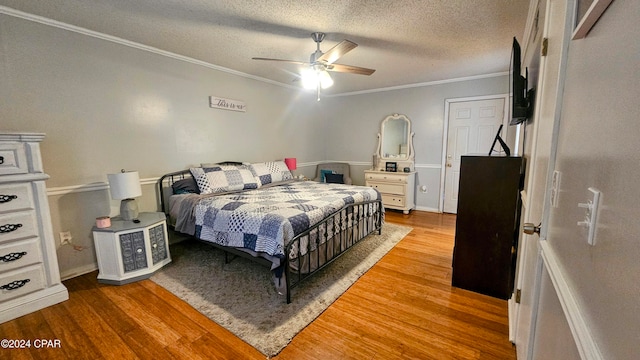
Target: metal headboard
<point x="164" y="187"/>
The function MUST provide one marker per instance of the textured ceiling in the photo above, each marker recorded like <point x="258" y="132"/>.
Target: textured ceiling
<point x="406" y="41"/>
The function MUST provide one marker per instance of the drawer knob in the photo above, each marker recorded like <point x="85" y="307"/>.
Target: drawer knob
<point x="6" y="228"/>
<point x="14" y="284"/>
<point x="7" y="198"/>
<point x="1" y="160"/>
<point x="12" y="256"/>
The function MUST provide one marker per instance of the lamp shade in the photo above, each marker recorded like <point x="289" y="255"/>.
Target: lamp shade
<point x="291" y="163"/>
<point x="314" y="78"/>
<point x="325" y="79"/>
<point x="124" y="185"/>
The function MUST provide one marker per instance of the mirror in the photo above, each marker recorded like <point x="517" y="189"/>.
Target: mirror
<point x="395" y="142"/>
<point x="395" y="134"/>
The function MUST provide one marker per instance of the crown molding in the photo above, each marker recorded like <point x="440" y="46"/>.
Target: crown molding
<point x="95" y="34"/>
<point x="423" y="84"/>
<point x="98" y="35"/>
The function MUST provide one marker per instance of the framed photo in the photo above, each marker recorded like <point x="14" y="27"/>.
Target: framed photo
<point x="587" y="13"/>
<point x="391" y="166"/>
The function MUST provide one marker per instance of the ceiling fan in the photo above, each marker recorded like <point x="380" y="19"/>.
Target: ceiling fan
<point x="316" y="74"/>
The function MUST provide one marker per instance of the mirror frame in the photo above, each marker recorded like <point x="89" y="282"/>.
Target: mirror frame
<point x="379" y="162"/>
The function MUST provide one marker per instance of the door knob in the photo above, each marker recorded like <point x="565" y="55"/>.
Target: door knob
<point x="530" y="229"/>
<point x="448" y="164"/>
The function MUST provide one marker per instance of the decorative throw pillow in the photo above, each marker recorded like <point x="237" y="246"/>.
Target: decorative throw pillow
<point x="334" y="178"/>
<point x="223" y="178"/>
<point x="270" y="172"/>
<point x="185" y="186"/>
<point x="324" y="173"/>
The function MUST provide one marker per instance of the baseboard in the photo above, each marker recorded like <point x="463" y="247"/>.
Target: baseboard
<point x="78" y="271"/>
<point x="429" y="209"/>
<point x="513" y="311"/>
<point x="582" y="335"/>
<point x="34" y="302"/>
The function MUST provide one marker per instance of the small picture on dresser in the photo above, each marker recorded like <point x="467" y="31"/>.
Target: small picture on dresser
<point x="392" y="166"/>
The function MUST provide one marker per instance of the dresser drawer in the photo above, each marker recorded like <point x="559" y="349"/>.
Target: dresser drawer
<point x="390" y="200"/>
<point x="15" y="197"/>
<point x="387" y="188"/>
<point x="18" y="225"/>
<point x="21" y="282"/>
<point x="17" y="254"/>
<point x="13" y="159"/>
<point x="390" y="177"/>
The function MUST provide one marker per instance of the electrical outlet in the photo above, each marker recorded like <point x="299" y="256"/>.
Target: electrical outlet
<point x="65" y="238"/>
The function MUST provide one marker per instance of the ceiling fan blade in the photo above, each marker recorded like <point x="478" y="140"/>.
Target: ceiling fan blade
<point x="288" y="61"/>
<point x="350" y="69"/>
<point x="337" y="51"/>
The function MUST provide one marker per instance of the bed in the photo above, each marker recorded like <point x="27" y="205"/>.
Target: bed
<point x="260" y="212"/>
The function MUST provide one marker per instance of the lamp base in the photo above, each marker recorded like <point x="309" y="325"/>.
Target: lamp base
<point x="129" y="209"/>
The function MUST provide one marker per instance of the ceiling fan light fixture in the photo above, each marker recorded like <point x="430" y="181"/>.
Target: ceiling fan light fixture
<point x="325" y="79"/>
<point x="311" y="78"/>
<point x="315" y="73"/>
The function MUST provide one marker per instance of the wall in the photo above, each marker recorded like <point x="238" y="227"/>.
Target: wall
<point x="105" y="106"/>
<point x="557" y="343"/>
<point x="354" y="122"/>
<point x="598" y="147"/>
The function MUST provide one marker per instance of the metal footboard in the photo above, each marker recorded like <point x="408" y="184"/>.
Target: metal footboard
<point x="324" y="242"/>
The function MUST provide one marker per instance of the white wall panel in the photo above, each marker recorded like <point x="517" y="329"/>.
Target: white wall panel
<point x="598" y="147"/>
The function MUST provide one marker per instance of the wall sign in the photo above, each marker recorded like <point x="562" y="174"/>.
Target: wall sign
<point x="227" y="104"/>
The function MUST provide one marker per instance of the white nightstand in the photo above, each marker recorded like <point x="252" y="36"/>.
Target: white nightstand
<point x="129" y="251"/>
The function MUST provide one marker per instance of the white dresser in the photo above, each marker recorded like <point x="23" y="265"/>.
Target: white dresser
<point x="397" y="188"/>
<point x="29" y="273"/>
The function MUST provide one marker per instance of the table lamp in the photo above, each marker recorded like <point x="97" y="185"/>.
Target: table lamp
<point x="125" y="186"/>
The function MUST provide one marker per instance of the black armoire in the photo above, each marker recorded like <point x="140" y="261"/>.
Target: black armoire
<point x="487" y="224"/>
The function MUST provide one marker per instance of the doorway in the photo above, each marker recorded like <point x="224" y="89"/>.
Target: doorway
<point x="470" y="127"/>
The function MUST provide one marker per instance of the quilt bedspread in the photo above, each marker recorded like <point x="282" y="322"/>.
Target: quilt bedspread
<point x="265" y="220"/>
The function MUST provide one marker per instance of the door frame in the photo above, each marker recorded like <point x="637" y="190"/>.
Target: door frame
<point x="445" y="133"/>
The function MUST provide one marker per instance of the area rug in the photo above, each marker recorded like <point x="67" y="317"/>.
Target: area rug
<point x="240" y="296"/>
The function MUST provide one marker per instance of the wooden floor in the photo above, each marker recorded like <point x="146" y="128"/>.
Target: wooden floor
<point x="403" y="308"/>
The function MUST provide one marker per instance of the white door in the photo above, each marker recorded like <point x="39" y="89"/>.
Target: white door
<point x="540" y="155"/>
<point x="472" y="126"/>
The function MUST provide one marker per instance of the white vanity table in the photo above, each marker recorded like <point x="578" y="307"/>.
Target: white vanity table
<point x="395" y="150"/>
